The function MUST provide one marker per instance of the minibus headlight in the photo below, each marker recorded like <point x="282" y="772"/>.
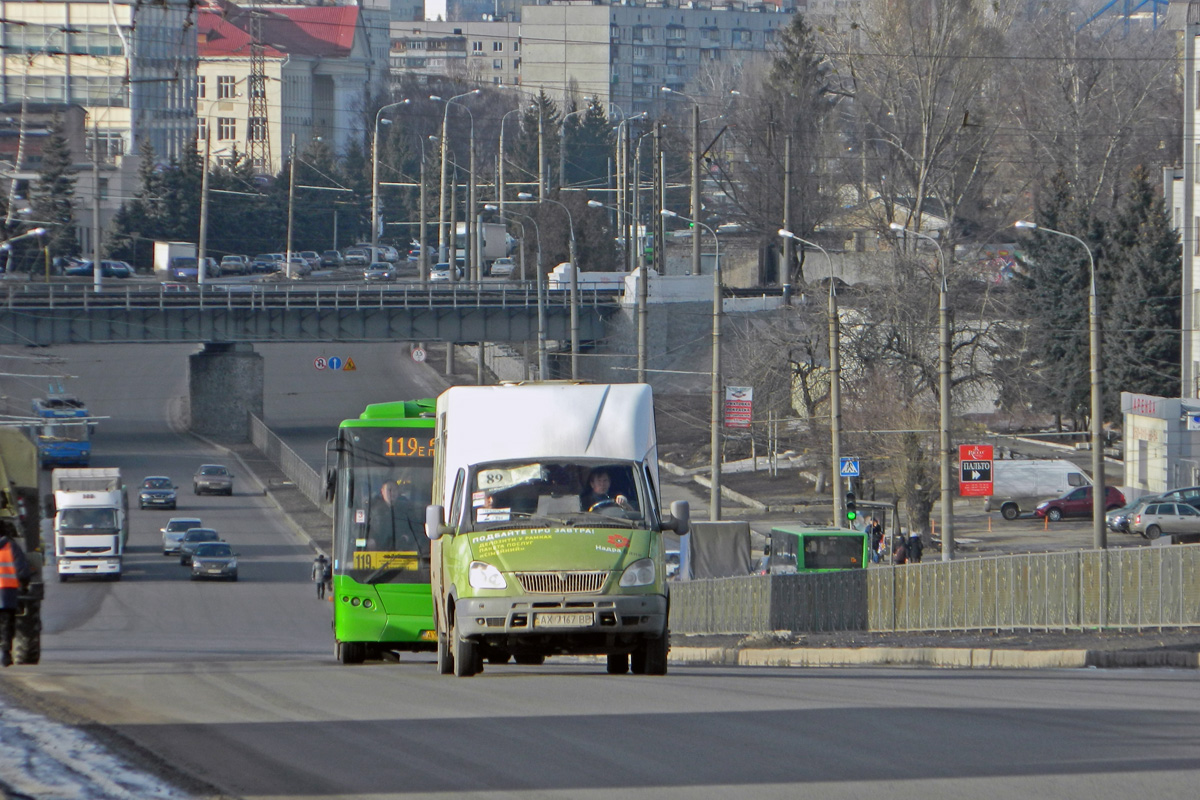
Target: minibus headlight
<point x="482" y="575"/>
<point x="639" y="573"/>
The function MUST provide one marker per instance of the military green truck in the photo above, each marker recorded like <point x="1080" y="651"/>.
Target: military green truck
<point x="546" y="529"/>
<point x="19" y="504"/>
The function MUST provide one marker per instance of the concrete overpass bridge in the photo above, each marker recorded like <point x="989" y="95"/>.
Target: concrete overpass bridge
<point x="226" y="378"/>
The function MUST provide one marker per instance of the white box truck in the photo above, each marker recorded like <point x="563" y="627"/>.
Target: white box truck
<point x="546" y="527"/>
<point x="493" y="240"/>
<point x="91" y="521"/>
<point x="165" y="251"/>
<point x="1018" y="484"/>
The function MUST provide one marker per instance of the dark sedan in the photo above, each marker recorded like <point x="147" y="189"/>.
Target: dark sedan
<point x="214" y="560"/>
<point x="157" y="492"/>
<point x="108" y="269"/>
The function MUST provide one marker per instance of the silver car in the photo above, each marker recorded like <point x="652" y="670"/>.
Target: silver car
<point x="1119" y="518"/>
<point x="214" y="560"/>
<point x="1163" y="517"/>
<point x="212" y="479"/>
<point x="174" y="530"/>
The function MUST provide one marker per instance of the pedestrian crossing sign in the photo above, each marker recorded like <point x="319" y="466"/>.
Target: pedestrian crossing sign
<point x="849" y="468"/>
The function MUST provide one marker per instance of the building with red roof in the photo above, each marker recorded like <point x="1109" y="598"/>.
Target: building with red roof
<point x="321" y="65"/>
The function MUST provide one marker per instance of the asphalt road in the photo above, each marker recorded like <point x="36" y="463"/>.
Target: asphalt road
<point x="234" y="685"/>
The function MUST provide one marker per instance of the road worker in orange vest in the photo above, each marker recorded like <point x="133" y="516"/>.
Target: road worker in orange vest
<point x="14" y="572"/>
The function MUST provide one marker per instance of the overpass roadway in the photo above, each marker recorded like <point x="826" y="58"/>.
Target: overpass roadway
<point x="232" y="690"/>
<point x="489" y="311"/>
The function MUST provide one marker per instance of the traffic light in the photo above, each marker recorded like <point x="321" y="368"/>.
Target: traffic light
<point x="851" y="511"/>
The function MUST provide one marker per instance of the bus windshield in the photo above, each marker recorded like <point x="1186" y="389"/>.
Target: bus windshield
<point x="385" y="483"/>
<point x="556" y="493"/>
<point x="64" y="432"/>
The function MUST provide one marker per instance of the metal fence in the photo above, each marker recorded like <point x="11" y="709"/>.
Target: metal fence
<point x="310" y="482"/>
<point x="1134" y="588"/>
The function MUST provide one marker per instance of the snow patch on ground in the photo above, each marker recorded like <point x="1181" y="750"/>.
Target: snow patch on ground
<point x="49" y="761"/>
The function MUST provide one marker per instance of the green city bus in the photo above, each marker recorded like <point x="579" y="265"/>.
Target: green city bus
<point x="381" y="486"/>
<point x="795" y="549"/>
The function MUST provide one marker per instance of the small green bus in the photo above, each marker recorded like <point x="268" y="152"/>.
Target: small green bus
<point x="795" y="549"/>
<point x="381" y="485"/>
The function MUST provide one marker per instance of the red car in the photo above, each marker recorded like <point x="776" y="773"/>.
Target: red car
<point x="1078" y="503"/>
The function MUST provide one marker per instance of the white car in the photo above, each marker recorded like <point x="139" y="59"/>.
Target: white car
<point x="503" y="268"/>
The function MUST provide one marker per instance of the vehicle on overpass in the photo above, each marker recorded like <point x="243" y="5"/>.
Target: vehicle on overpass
<point x="20" y="505"/>
<point x="795" y="549"/>
<point x="379" y="472"/>
<point x="63" y="432"/>
<point x="546" y="530"/>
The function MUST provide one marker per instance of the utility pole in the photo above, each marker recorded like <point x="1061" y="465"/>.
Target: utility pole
<point x="287" y="267"/>
<point x="788" y="243"/>
<point x="474" y="264"/>
<point x="423" y="261"/>
<point x="97" y="279"/>
<point x="541" y="154"/>
<point x="452" y="196"/>
<point x="202" y="248"/>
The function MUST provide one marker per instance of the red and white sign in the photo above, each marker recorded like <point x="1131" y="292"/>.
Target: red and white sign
<point x="975" y="470"/>
<point x="739" y="406"/>
<point x="418" y="354"/>
<point x="320" y="363"/>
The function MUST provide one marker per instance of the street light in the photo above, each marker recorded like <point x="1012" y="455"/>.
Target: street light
<point x="1099" y="491"/>
<point x="835" y="380"/>
<point x="643" y="292"/>
<point x="574" y="282"/>
<point x="943" y="391"/>
<point x="6" y="248"/>
<point x="500" y="165"/>
<point x="695" y="174"/>
<point x="375" y="176"/>
<point x="442" y="200"/>
<point x="562" y="145"/>
<point x="714" y="511"/>
<point x="541" y="301"/>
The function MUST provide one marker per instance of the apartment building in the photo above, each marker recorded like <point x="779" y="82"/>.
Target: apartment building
<point x="482" y="52"/>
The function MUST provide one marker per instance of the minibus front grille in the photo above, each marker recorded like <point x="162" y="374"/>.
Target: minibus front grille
<point x="562" y="582"/>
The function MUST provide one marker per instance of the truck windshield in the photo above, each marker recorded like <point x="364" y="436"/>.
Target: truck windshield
<point x="556" y="493"/>
<point x="88" y="518"/>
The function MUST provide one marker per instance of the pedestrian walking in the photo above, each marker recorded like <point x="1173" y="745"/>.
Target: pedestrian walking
<point x="900" y="550"/>
<point x="14" y="573"/>
<point x="322" y="573"/>
<point x="916" y="548"/>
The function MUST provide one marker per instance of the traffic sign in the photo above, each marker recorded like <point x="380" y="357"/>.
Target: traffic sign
<point x="335" y="363"/>
<point x="975" y="470"/>
<point x="418" y="354"/>
<point x="849" y="468"/>
<point x="320" y="363"/>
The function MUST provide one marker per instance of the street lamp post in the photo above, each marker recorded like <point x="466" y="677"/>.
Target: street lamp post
<point x="714" y="513"/>
<point x="541" y="297"/>
<point x="442" y="200"/>
<point x="574" y="283"/>
<point x="6" y="248"/>
<point x="835" y="381"/>
<point x="643" y="293"/>
<point x="943" y="392"/>
<point x="562" y="145"/>
<point x="1099" y="490"/>
<point x="695" y="175"/>
<point x="375" y="176"/>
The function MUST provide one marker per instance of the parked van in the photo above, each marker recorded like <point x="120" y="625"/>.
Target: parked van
<point x="1018" y="485"/>
<point x="546" y="530"/>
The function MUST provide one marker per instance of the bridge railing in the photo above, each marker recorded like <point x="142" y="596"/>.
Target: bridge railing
<point x="503" y="294"/>
<point x="1131" y="588"/>
<point x="309" y="481"/>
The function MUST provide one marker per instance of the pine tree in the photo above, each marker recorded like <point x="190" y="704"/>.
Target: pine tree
<point x="53" y="193"/>
<point x="1142" y="318"/>
<point x="525" y="154"/>
<point x="1056" y="288"/>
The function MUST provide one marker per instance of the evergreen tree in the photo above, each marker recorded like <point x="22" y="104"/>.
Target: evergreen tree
<point x="1142" y="318"/>
<point x="524" y="154"/>
<point x="1056" y="288"/>
<point x="53" y="194"/>
<point x="589" y="147"/>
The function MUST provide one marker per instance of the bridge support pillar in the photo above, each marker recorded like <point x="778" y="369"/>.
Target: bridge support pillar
<point x="225" y="383"/>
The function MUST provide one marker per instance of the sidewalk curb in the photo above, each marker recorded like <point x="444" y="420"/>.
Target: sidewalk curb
<point x="952" y="657"/>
